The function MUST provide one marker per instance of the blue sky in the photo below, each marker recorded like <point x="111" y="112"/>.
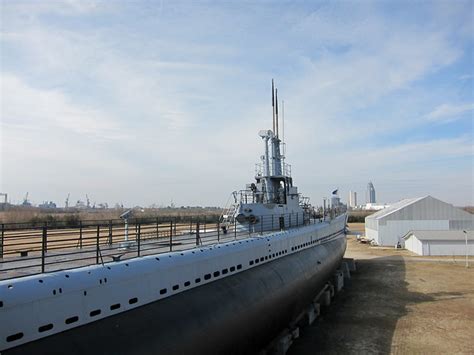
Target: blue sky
<point x="143" y="102"/>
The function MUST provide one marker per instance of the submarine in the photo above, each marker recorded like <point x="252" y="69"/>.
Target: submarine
<point x="231" y="297"/>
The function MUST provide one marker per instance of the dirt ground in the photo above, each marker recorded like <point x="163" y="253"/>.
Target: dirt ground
<point x="396" y="303"/>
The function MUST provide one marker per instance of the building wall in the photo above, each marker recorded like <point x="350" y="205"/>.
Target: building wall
<point x="447" y="247"/>
<point x="462" y="224"/>
<point x="393" y="231"/>
<point x="371" y="223"/>
<point x="371" y="234"/>
<point x="414" y="245"/>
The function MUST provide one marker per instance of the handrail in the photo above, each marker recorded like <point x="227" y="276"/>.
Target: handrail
<point x="26" y="253"/>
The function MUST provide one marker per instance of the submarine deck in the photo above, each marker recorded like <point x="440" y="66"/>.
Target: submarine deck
<point x="32" y="251"/>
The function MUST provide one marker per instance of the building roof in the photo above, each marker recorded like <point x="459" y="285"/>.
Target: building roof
<point x="441" y="235"/>
<point x="422" y="208"/>
<point x="395" y="207"/>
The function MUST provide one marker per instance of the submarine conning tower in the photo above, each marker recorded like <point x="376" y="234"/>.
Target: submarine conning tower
<point x="271" y="202"/>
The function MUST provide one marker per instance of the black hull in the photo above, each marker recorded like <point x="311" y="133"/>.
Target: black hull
<point x="235" y="315"/>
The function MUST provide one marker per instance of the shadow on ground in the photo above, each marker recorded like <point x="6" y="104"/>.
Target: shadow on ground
<point x="363" y="317"/>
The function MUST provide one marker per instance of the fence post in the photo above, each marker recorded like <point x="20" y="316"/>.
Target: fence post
<point x="171" y="235"/>
<point x="157" y="228"/>
<point x="80" y="234"/>
<point x="218" y="231"/>
<point x="139" y="229"/>
<point x="97" y="245"/>
<point x="43" y="248"/>
<point x="191" y="225"/>
<point x="1" y="240"/>
<point x="110" y="232"/>
<point x="235" y="229"/>
<point x="198" y="237"/>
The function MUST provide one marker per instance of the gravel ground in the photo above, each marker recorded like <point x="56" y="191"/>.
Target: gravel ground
<point x="396" y="303"/>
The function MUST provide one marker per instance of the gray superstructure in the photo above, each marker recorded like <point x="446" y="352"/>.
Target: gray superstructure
<point x="272" y="201"/>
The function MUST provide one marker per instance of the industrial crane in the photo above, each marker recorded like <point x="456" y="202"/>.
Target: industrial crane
<point x="25" y="200"/>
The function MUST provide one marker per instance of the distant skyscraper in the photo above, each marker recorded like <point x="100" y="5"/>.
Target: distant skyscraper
<point x="352" y="199"/>
<point x="370" y="194"/>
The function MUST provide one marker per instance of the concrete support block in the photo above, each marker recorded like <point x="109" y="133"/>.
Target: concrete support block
<point x="310" y="316"/>
<point x="350" y="263"/>
<point x="325" y="299"/>
<point x="331" y="290"/>
<point x="317" y="309"/>
<point x="338" y="280"/>
<point x="345" y="270"/>
<point x="311" y="313"/>
<point x="283" y="342"/>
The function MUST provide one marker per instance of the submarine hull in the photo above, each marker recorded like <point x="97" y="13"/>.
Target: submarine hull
<point x="234" y="315"/>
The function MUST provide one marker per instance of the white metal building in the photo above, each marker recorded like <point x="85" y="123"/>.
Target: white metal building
<point x="440" y="242"/>
<point x="390" y="225"/>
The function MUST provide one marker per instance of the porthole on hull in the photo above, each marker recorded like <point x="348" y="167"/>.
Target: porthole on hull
<point x="14" y="337"/>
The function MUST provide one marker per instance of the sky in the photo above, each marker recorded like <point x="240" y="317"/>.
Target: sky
<point x="153" y="102"/>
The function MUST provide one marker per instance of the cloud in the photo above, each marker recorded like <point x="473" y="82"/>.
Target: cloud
<point x="35" y="109"/>
<point x="165" y="102"/>
<point x="449" y="112"/>
<point x="32" y="9"/>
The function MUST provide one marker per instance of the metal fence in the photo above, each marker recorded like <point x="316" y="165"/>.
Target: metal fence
<point x="30" y="250"/>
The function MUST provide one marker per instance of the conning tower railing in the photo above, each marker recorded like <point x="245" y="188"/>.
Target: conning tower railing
<point x="260" y="169"/>
<point x="251" y="196"/>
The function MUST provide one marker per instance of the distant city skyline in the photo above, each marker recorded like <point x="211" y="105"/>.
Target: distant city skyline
<point x="142" y="103"/>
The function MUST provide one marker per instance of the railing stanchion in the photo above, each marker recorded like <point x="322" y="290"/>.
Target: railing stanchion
<point x="1" y="240"/>
<point x="97" y="245"/>
<point x="273" y="226"/>
<point x="157" y="228"/>
<point x="44" y="248"/>
<point x="218" y="231"/>
<point x="235" y="229"/>
<point x="110" y="232"/>
<point x="171" y="235"/>
<point x="261" y="226"/>
<point x="197" y="233"/>
<point x="139" y="238"/>
<point x="80" y="234"/>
